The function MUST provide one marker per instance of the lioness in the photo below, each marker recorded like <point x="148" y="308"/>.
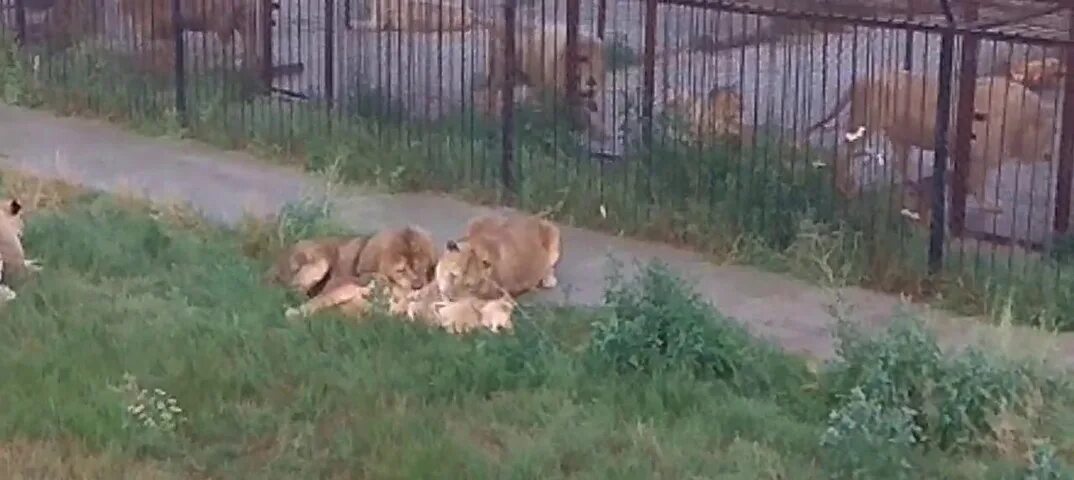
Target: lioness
<point x="13" y="262"/>
<point x="1008" y="121"/>
<point x="497" y="255"/>
<point x="400" y="259"/>
<point x="153" y="21"/>
<point x="1039" y="74"/>
<point x="416" y="16"/>
<point x="719" y="118"/>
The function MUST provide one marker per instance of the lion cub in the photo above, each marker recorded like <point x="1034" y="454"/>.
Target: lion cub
<point x="336" y="272"/>
<point x="459" y="316"/>
<point x="500" y="254"/>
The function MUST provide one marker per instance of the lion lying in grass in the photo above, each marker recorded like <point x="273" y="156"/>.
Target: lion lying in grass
<point x="337" y="272"/>
<point x="462" y="315"/>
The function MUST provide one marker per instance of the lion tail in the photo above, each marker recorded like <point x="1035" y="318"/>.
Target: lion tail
<point x="839" y="106"/>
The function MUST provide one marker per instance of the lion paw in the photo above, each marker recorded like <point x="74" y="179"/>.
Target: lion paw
<point x="293" y="313"/>
<point x="6" y="294"/>
<point x="32" y="265"/>
<point x="549" y="281"/>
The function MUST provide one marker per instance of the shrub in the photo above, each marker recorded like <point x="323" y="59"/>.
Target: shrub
<point x="954" y="399"/>
<point x="866" y="439"/>
<point x="657" y="324"/>
<point x="1044" y="464"/>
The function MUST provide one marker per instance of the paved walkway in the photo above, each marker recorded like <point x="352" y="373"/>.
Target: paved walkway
<point x="225" y="185"/>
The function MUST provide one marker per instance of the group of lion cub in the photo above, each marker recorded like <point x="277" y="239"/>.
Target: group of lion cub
<point x="470" y="285"/>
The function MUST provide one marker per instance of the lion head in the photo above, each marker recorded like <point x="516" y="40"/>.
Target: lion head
<point x="591" y="69"/>
<point x="406" y="257"/>
<point x="496" y="315"/>
<point x="305" y="266"/>
<point x="11" y="223"/>
<point x="465" y="270"/>
<point x="1044" y="73"/>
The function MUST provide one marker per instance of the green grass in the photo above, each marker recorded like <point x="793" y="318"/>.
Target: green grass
<point x="655" y="384"/>
<point x="766" y="205"/>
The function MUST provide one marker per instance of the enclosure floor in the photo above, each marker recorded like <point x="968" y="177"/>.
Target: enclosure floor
<point x="226" y="185"/>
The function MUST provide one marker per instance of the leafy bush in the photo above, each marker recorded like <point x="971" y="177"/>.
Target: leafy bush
<point x="1044" y="464"/>
<point x="866" y="439"/>
<point x="953" y="398"/>
<point x="657" y="324"/>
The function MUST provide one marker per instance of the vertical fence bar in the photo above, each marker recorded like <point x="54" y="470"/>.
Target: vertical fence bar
<point x="264" y="25"/>
<point x="1065" y="168"/>
<point x="649" y="75"/>
<point x="571" y="87"/>
<point x="329" y="52"/>
<point x="602" y="18"/>
<point x="939" y="164"/>
<point x="507" y="98"/>
<point x="967" y="79"/>
<point x="347" y="15"/>
<point x="20" y="21"/>
<point x="180" y="62"/>
<point x="908" y="55"/>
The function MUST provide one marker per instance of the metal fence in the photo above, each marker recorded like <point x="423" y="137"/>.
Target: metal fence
<point x="946" y="158"/>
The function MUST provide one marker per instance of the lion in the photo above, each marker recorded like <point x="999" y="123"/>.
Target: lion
<point x="14" y="265"/>
<point x="500" y="255"/>
<point x="397" y="260"/>
<point x="1046" y="73"/>
<point x="463" y="315"/>
<point x="1008" y="121"/>
<point x="469" y="314"/>
<point x="152" y="21"/>
<point x="719" y="118"/>
<point x="541" y="64"/>
<point x="416" y="16"/>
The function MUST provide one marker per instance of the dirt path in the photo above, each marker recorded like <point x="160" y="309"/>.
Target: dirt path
<point x="224" y="185"/>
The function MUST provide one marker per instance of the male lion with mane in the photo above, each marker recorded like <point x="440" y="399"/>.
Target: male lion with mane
<point x="500" y="255"/>
<point x="337" y="272"/>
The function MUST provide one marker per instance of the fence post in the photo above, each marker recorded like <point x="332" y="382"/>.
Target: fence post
<point x="507" y="100"/>
<point x="649" y="73"/>
<point x="571" y="90"/>
<point x="939" y="164"/>
<point x="180" y="62"/>
<point x="602" y="18"/>
<point x="265" y="27"/>
<point x="1065" y="168"/>
<point x="967" y="81"/>
<point x="329" y="52"/>
<point x="20" y="21"/>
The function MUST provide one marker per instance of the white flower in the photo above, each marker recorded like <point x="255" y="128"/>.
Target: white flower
<point x="912" y="215"/>
<point x="852" y="136"/>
